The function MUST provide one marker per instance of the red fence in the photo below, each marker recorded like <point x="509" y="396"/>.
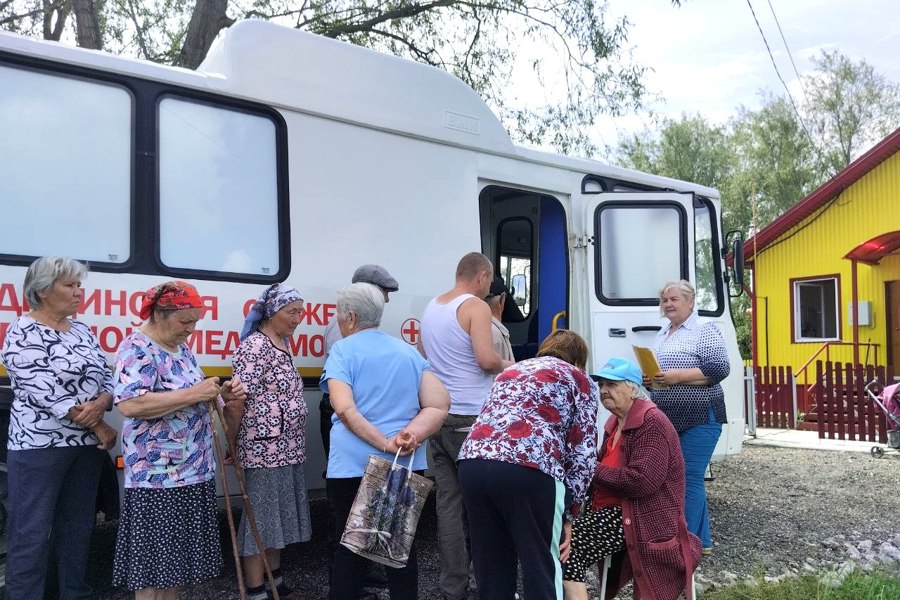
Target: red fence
<point x="774" y="397"/>
<point x="843" y="409"/>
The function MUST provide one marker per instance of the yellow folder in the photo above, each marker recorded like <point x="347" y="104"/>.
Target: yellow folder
<point x="648" y="363"/>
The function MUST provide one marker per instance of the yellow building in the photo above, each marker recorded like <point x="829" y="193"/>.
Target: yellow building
<point x="840" y="243"/>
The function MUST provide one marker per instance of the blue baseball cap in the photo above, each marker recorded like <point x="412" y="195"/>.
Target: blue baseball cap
<point x="621" y="369"/>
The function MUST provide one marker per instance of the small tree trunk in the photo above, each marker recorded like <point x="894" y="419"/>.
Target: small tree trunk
<point x="87" y="25"/>
<point x="207" y="20"/>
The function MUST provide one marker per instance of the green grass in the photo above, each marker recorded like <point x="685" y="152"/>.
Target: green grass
<point x="875" y="585"/>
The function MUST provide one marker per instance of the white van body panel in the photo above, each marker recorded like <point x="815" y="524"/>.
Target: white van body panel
<point x="388" y="162"/>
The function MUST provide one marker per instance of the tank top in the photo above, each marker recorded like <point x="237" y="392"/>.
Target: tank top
<point x="450" y="354"/>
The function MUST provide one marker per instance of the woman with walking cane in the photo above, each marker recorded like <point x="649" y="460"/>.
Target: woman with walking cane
<point x="168" y="533"/>
<point x="271" y="444"/>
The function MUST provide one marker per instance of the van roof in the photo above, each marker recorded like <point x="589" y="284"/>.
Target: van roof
<point x="299" y="71"/>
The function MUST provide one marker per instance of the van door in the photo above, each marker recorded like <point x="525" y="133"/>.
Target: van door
<point x="639" y="242"/>
<point x="524" y="234"/>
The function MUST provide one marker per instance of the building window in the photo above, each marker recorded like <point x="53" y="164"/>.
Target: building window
<point x="218" y="190"/>
<point x="65" y="158"/>
<point x="640" y="247"/>
<point x="816" y="310"/>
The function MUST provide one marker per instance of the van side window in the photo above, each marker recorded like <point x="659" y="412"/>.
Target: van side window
<point x="66" y="152"/>
<point x="218" y="189"/>
<point x="707" y="269"/>
<point x="515" y="239"/>
<point x="640" y="248"/>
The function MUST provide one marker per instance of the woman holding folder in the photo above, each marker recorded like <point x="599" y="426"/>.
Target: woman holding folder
<point x="693" y="360"/>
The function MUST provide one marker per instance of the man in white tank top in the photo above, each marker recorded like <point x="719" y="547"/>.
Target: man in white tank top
<point x="456" y="339"/>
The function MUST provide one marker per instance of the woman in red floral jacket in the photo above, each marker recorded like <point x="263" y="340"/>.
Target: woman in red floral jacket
<point x="525" y="468"/>
<point x="637" y="500"/>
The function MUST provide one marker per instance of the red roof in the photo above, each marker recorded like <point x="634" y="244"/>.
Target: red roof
<point x="827" y="192"/>
<point x="874" y="250"/>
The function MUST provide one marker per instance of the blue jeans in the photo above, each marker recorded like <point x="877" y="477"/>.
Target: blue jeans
<point x="697" y="445"/>
<point x="51" y="489"/>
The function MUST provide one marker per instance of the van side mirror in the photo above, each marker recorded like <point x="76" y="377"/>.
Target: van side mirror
<point x="737" y="254"/>
<point x="734" y="276"/>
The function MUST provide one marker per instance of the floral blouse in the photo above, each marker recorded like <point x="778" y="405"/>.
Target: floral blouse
<point x="175" y="449"/>
<point x="541" y="413"/>
<point x="272" y="429"/>
<point x="51" y="372"/>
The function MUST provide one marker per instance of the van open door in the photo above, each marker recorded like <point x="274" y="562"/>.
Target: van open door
<point x="639" y="242"/>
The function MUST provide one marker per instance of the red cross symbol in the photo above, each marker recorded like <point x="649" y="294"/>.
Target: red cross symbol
<point x="410" y="331"/>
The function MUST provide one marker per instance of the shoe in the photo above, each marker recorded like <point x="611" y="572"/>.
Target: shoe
<point x="706" y="551"/>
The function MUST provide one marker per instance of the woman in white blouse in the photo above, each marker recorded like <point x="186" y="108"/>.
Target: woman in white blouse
<point x="57" y="436"/>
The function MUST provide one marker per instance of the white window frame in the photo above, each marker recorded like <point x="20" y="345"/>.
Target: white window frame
<point x="797" y="308"/>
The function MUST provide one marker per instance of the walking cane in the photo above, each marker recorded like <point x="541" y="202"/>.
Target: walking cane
<point x="248" y="506"/>
<point x="242" y="589"/>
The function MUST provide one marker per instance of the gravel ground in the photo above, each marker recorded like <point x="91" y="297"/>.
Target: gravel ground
<point x="773" y="510"/>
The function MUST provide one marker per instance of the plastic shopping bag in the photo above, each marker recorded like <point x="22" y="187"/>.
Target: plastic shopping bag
<point x="385" y="513"/>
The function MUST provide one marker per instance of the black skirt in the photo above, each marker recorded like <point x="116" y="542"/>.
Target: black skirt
<point x="168" y="537"/>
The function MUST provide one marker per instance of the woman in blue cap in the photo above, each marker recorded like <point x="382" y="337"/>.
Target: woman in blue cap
<point x="637" y="500"/>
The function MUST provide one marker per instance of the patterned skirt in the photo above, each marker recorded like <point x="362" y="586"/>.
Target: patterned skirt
<point x="168" y="537"/>
<point x="281" y="507"/>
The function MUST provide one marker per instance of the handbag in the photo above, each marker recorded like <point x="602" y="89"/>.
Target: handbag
<point x="385" y="513"/>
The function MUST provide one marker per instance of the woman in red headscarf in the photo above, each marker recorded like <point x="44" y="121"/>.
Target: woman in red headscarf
<point x="168" y="533"/>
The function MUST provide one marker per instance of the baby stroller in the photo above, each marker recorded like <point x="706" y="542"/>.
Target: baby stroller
<point x="889" y="402"/>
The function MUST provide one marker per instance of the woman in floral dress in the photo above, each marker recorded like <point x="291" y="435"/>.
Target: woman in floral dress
<point x="168" y="533"/>
<point x="271" y="443"/>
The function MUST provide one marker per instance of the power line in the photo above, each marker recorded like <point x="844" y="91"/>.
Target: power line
<point x="783" y="83"/>
<point x="788" y="50"/>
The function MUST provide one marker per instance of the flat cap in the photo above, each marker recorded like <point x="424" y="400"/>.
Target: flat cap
<point x="376" y="275"/>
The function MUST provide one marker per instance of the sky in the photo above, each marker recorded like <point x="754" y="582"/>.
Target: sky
<point x="708" y="56"/>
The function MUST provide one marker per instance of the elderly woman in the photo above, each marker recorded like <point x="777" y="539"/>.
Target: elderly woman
<point x="62" y="388"/>
<point x="525" y="467"/>
<point x="168" y="532"/>
<point x="386" y="399"/>
<point x="693" y="360"/>
<point x="637" y="500"/>
<point x="271" y="442"/>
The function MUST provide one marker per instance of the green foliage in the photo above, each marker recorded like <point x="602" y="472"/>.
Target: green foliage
<point x="879" y="585"/>
<point x="850" y="107"/>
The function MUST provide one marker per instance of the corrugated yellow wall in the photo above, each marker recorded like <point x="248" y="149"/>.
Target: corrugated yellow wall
<point x="815" y="248"/>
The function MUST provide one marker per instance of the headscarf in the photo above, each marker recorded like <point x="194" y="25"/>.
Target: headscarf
<point x="171" y="295"/>
<point x="273" y="299"/>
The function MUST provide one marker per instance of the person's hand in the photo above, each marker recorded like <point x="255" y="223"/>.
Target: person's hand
<point x="565" y="546"/>
<point x="667" y="378"/>
<point x="407" y="440"/>
<point x="89" y="414"/>
<point x="645" y="381"/>
<point x="208" y="389"/>
<point x="233" y="390"/>
<point x="107" y="436"/>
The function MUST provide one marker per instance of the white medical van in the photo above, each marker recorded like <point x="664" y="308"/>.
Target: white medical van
<point x="292" y="157"/>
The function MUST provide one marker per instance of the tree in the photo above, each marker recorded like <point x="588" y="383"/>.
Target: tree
<point x="850" y="107"/>
<point x="690" y="149"/>
<point x="584" y="73"/>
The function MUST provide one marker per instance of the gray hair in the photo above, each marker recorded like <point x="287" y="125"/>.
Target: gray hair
<point x="45" y="271"/>
<point x="684" y="288"/>
<point x="637" y="390"/>
<point x="363" y="300"/>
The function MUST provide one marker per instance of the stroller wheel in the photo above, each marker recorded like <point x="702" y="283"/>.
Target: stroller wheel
<point x="877" y="451"/>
